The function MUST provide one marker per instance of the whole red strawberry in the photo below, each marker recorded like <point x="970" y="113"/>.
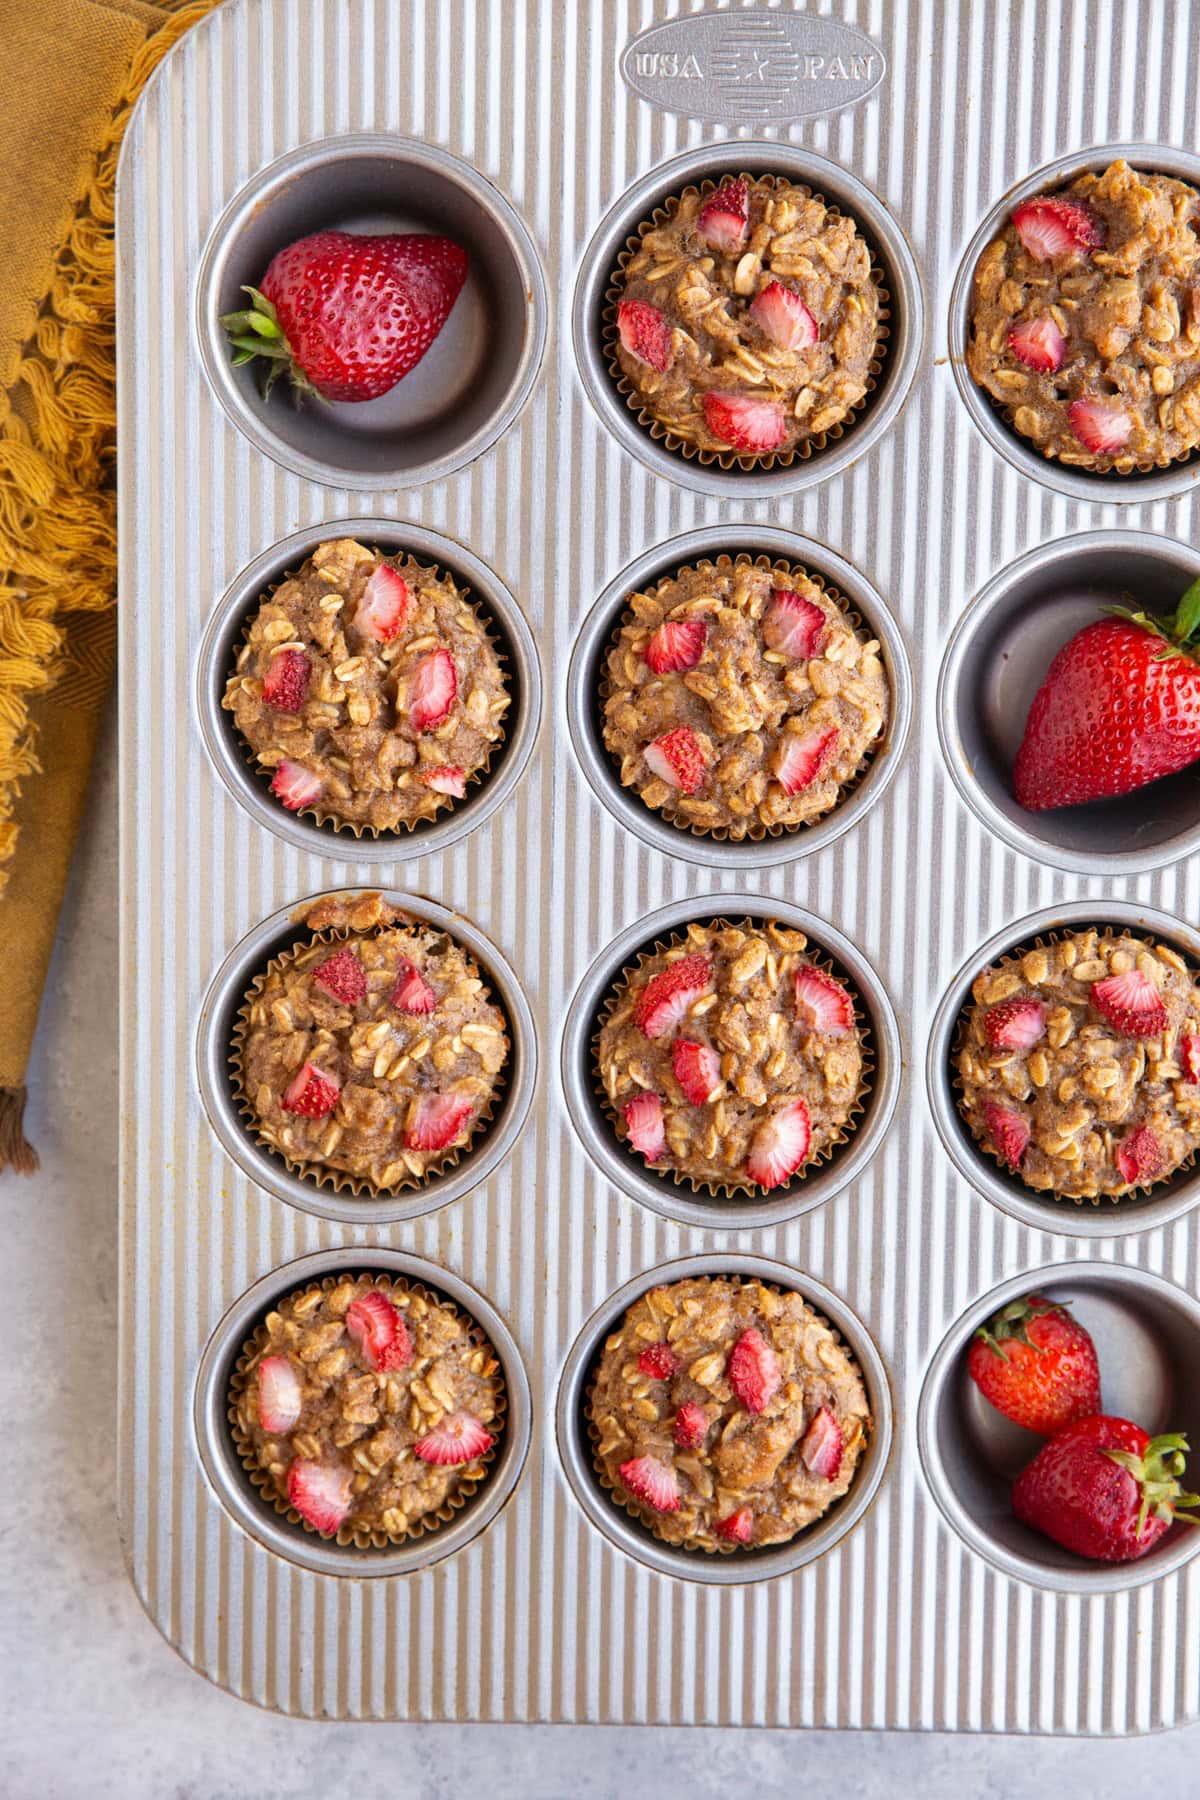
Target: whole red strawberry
<point x="1120" y="707"/>
<point x="1104" y="1489"/>
<point x="347" y="316"/>
<point x="1036" y="1365"/>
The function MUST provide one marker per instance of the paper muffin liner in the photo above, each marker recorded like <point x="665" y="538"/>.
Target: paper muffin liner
<point x="739" y="1189"/>
<point x="730" y="459"/>
<point x="338" y="1180"/>
<point x="360" y="1536"/>
<point x="754" y="831"/>
<point x="641" y="1514"/>
<point x="360" y="828"/>
<point x="1043" y="940"/>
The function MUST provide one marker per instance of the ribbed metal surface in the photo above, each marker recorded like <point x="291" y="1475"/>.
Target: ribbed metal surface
<point x="543" y="1618"/>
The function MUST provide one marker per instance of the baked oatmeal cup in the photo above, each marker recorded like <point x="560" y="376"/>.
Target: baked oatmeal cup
<point x="725" y="1413"/>
<point x="1078" y="1064"/>
<point x="369" y="690"/>
<point x="367" y="1408"/>
<point x="732" y="1057"/>
<point x="1085" y="320"/>
<point x="370" y="1054"/>
<point x="741" y="699"/>
<point x="746" y="322"/>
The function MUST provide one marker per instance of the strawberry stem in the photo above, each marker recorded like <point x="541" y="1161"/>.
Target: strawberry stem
<point x="1157" y="1474"/>
<point x="1179" y="630"/>
<point x="1013" y="1321"/>
<point x="255" y="330"/>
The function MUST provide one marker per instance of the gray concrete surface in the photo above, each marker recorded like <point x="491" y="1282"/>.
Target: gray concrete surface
<point x="93" y="1702"/>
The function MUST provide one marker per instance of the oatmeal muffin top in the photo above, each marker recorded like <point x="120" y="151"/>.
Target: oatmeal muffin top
<point x="375" y="1056"/>
<point x="368" y="686"/>
<point x="1079" y="1064"/>
<point x="741" y="698"/>
<point x="726" y="1413"/>
<point x="367" y="1406"/>
<point x="1085" y="320"/>
<point x="749" y="318"/>
<point x="731" y="1057"/>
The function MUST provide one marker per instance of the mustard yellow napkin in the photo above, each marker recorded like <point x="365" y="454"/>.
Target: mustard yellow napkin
<point x="82" y="64"/>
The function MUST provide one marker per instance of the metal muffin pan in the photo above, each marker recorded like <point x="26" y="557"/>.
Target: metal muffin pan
<point x="256" y="1516"/>
<point x="585" y="712"/>
<point x="218" y="1012"/>
<point x="234" y="761"/>
<point x="735" y="1567"/>
<point x="833" y="182"/>
<point x="545" y="1616"/>
<point x="1167" y="1200"/>
<point x="656" y="1189"/>
<point x="996" y="660"/>
<point x="472" y="381"/>
<point x="1138" y="487"/>
<point x="1147" y="1334"/>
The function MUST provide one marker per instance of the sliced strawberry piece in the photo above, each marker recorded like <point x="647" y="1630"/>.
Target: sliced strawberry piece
<point x="697" y="1070"/>
<point x="725" y="216"/>
<point x="285" y="685"/>
<point x="652" y="1482"/>
<point x="379" y="1331"/>
<point x="658" y="1360"/>
<point x="1189" y="1057"/>
<point x="412" y="993"/>
<point x="460" y="1438"/>
<point x="745" y="423"/>
<point x="738" y="1527"/>
<point x="793" y="625"/>
<point x="1039" y="344"/>
<point x="677" y="759"/>
<point x="449" y="779"/>
<point x="822" y="1446"/>
<point x="1015" y="1024"/>
<point x="822" y="1004"/>
<point x="1049" y="226"/>
<point x="431" y="691"/>
<point x="691" y="1426"/>
<point x="780" y="1146"/>
<point x="677" y="644"/>
<point x="385" y="606"/>
<point x="1140" y="1155"/>
<point x="645" y="333"/>
<point x="436" y="1120"/>
<point x="1131" y="1003"/>
<point x="644" y="1123"/>
<point x="667" y="996"/>
<point x="753" y="1370"/>
<point x="782" y="315"/>
<point x="1009" y="1132"/>
<point x="311" y="1092"/>
<point x="342" y="977"/>
<point x="1102" y="426"/>
<point x="320" y="1493"/>
<point x="295" y="785"/>
<point x="280" y="1395"/>
<point x="803" y="757"/>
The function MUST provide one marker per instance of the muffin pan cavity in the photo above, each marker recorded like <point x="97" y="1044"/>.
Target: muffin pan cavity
<point x="657" y="1189"/>
<point x="1139" y="485"/>
<point x="476" y="376"/>
<point x="890" y="254"/>
<point x="1142" y="1211"/>
<point x="585" y="708"/>
<point x="255" y="1514"/>
<point x="1147" y="1335"/>
<point x="484" y="1152"/>
<point x="234" y="761"/>
<point x="739" y="1566"/>
<point x="998" y="657"/>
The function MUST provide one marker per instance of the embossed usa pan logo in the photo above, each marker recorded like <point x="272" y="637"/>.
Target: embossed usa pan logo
<point x="753" y="68"/>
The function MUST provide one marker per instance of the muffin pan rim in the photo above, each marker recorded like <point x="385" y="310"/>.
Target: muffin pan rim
<point x="741" y="1567"/>
<point x="224" y="1473"/>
